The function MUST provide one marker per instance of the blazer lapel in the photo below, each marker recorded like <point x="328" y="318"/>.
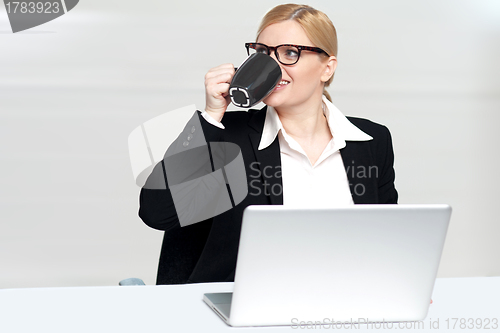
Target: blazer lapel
<point x="356" y="156"/>
<point x="361" y="172"/>
<point x="267" y="159"/>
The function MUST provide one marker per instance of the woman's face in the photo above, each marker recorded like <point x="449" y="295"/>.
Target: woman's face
<point x="303" y="80"/>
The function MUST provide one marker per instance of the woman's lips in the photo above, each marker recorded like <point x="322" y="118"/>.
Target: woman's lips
<point x="281" y="85"/>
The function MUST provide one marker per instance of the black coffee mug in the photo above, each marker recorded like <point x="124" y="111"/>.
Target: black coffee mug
<point x="254" y="80"/>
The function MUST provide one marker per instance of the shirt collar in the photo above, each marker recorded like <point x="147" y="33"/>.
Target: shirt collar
<point x="341" y="128"/>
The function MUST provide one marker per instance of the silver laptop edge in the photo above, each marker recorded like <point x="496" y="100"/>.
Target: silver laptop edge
<point x="362" y="263"/>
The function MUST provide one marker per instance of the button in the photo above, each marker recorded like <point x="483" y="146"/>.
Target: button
<point x="185" y="143"/>
<point x="190" y="136"/>
<point x="193" y="129"/>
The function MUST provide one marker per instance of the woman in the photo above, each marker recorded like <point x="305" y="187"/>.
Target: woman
<point x="299" y="150"/>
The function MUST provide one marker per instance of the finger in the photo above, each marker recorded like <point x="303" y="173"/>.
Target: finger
<point x="212" y="74"/>
<point x="219" y="90"/>
<point x="222" y="78"/>
<point x="228" y="65"/>
<point x="222" y="67"/>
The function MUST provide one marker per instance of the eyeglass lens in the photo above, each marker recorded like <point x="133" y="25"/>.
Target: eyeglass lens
<point x="287" y="55"/>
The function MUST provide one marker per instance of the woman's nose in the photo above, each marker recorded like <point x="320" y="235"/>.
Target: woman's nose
<point x="272" y="54"/>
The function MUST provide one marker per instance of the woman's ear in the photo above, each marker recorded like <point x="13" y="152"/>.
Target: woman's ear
<point x="331" y="65"/>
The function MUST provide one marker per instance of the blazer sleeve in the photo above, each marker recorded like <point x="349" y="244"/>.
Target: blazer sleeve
<point x="387" y="193"/>
<point x="181" y="164"/>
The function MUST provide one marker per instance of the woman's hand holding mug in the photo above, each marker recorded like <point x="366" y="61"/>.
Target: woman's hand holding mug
<point x="217" y="82"/>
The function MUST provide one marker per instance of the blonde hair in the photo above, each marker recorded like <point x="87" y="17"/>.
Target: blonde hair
<point x="317" y="26"/>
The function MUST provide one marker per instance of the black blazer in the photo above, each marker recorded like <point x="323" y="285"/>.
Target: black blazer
<point x="207" y="251"/>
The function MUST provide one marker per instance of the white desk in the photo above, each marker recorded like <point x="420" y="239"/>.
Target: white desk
<point x="180" y="308"/>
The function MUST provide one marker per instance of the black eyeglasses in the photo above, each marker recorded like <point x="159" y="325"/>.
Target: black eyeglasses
<point x="287" y="54"/>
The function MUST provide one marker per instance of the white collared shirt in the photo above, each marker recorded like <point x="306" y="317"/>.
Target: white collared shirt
<point x="323" y="184"/>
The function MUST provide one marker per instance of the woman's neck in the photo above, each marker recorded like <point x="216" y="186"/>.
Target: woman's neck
<point x="306" y="122"/>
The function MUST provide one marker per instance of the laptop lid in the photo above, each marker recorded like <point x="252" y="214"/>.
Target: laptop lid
<point x="363" y="263"/>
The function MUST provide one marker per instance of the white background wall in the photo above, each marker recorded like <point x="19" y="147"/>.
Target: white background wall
<point x="73" y="89"/>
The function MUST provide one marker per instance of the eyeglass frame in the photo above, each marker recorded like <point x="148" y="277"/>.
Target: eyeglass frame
<point x="275" y="48"/>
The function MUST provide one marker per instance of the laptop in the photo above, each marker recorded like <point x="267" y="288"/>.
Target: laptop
<point x="356" y="264"/>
